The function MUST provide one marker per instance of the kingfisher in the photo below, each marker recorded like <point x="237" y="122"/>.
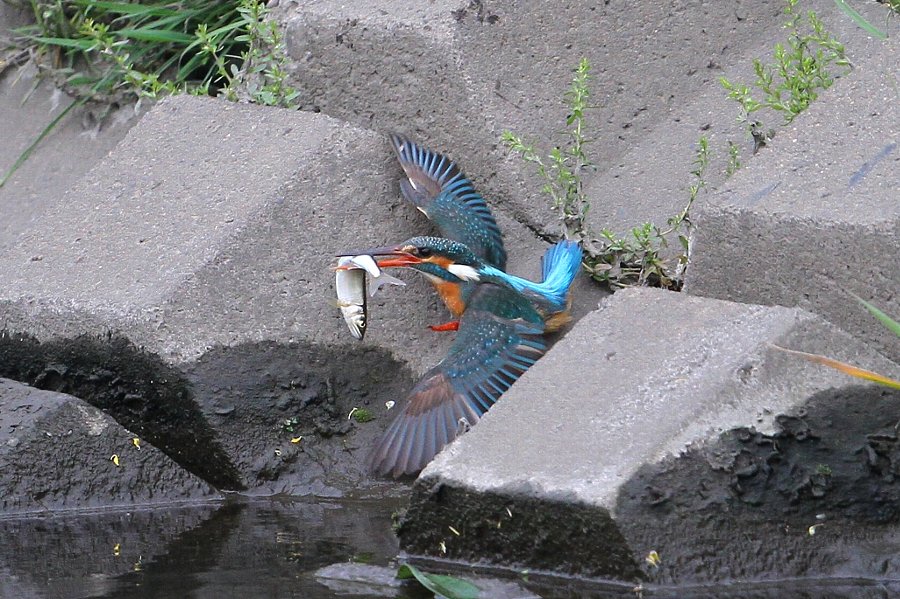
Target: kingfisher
<point x="501" y="319"/>
<point x="501" y="334"/>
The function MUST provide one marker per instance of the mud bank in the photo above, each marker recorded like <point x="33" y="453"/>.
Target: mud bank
<point x="257" y="418"/>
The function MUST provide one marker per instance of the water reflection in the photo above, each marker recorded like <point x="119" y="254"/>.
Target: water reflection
<point x="275" y="549"/>
<point x="235" y="549"/>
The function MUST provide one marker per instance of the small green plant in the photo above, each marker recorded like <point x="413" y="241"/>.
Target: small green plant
<point x="289" y="424"/>
<point x="361" y="415"/>
<point x="802" y="68"/>
<point x="637" y="258"/>
<point x="734" y="159"/>
<point x="260" y="75"/>
<point x="563" y="168"/>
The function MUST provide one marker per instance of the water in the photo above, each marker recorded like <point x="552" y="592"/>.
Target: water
<point x="272" y="549"/>
<point x="236" y="549"/>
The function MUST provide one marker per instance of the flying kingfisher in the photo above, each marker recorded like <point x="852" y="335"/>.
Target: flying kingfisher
<point x="502" y="318"/>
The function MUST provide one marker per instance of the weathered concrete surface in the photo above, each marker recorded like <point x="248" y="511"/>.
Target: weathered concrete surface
<point x="203" y="245"/>
<point x="650" y="180"/>
<point x="456" y="73"/>
<point x="55" y="453"/>
<point x="76" y="144"/>
<point x="817" y="214"/>
<point x="555" y="475"/>
<point x="210" y="242"/>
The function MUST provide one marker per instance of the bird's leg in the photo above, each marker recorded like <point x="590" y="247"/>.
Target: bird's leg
<point x="453" y="325"/>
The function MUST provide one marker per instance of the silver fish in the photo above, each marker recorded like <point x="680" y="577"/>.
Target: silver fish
<point x="350" y="286"/>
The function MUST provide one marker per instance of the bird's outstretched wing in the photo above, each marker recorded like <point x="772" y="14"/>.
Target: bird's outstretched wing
<point x="500" y="336"/>
<point x="437" y="187"/>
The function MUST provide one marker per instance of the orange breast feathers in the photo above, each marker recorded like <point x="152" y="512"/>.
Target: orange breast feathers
<point x="450" y="293"/>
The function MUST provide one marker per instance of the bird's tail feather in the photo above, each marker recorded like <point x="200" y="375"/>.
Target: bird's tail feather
<point x="560" y="265"/>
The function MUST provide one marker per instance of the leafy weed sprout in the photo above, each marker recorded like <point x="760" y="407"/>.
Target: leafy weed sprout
<point x="801" y="69"/>
<point x="638" y="257"/>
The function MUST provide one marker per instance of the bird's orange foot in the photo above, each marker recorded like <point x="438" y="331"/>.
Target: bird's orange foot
<point x="453" y="325"/>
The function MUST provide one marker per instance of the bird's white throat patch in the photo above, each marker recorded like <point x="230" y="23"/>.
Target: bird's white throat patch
<point x="466" y="273"/>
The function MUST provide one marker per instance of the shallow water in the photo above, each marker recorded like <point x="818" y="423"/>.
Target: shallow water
<point x="272" y="549"/>
<point x="235" y="549"/>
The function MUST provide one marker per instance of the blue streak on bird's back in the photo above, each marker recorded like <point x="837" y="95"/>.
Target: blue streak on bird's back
<point x="560" y="266"/>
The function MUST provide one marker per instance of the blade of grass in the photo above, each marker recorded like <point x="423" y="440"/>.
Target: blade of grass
<point x="859" y="19"/>
<point x="24" y="155"/>
<point x="125" y="8"/>
<point x="439" y="584"/>
<point x="63" y="42"/>
<point x="886" y="320"/>
<point x="859" y="373"/>
<point x="155" y="35"/>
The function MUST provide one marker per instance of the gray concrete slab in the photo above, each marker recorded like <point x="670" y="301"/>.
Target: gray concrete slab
<point x="551" y="478"/>
<point x="56" y="452"/>
<point x="455" y="74"/>
<point x="816" y="214"/>
<point x="206" y="240"/>
<point x="650" y="180"/>
<point x="216" y="223"/>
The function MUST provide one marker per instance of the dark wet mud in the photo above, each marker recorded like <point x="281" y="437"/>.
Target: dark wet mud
<point x="260" y="397"/>
<point x="260" y="418"/>
<point x="818" y="497"/>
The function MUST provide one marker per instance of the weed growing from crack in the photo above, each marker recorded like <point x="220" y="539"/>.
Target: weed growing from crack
<point x="801" y="68"/>
<point x="734" y="159"/>
<point x="637" y="258"/>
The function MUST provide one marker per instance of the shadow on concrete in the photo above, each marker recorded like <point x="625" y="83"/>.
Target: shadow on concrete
<point x="264" y="417"/>
<point x="136" y="388"/>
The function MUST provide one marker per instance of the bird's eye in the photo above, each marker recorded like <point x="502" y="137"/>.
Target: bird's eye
<point x="424" y="252"/>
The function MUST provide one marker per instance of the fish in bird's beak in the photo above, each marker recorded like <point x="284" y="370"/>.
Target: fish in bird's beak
<point x="350" y="286"/>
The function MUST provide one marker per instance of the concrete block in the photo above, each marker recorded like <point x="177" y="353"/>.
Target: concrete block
<point x="654" y="385"/>
<point x="199" y="253"/>
<point x="455" y="74"/>
<point x="56" y="453"/>
<point x="816" y="214"/>
<point x="216" y="223"/>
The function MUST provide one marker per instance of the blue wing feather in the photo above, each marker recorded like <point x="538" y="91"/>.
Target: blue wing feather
<point x="500" y="336"/>
<point x="439" y="188"/>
